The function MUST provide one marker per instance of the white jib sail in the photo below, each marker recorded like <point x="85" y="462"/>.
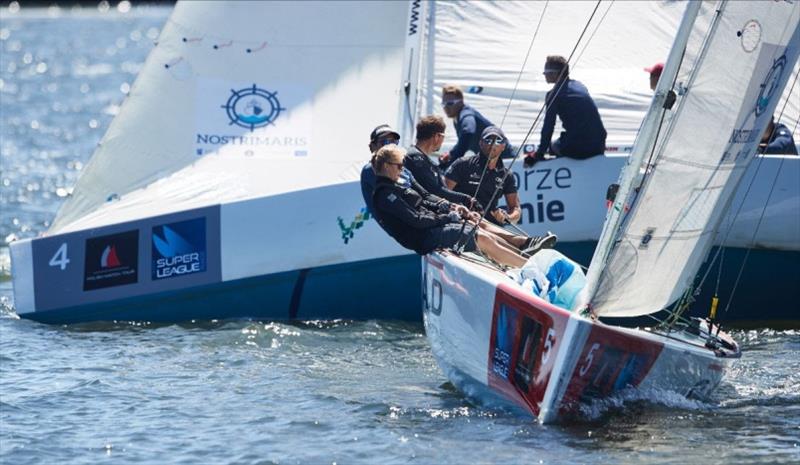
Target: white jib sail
<point x="242" y="100"/>
<point x="727" y="93"/>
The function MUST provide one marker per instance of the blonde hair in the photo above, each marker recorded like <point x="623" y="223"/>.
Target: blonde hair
<point x="384" y="155"/>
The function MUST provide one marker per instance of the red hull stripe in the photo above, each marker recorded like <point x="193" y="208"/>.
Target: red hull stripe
<point x="526" y="335"/>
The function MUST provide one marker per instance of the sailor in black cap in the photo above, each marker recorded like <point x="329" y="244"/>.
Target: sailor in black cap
<point x="471" y="175"/>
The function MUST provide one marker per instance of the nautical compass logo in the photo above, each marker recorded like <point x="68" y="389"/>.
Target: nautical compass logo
<point x="770" y="85"/>
<point x="253" y="107"/>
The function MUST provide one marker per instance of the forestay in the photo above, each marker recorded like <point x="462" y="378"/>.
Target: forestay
<point x="728" y="90"/>
<point x="245" y="99"/>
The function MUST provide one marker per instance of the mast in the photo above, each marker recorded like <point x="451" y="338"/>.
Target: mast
<point x="411" y="70"/>
<point x="430" y="64"/>
<point x="642" y="147"/>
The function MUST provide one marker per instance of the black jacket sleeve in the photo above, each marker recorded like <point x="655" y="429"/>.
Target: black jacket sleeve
<point x="391" y="203"/>
<point x="427" y="178"/>
<point x="432" y="202"/>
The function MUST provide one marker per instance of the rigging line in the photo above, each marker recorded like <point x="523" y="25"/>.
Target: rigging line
<point x="556" y="91"/>
<point x="789" y="97"/>
<point x="524" y="63"/>
<point x="766" y="203"/>
<point x="560" y="84"/>
<point x="753" y="237"/>
<point x="589" y="40"/>
<point x="741" y="204"/>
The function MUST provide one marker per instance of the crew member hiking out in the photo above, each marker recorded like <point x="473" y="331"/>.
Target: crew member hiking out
<point x="426" y="223"/>
<point x="380" y="136"/>
<point x="430" y="136"/>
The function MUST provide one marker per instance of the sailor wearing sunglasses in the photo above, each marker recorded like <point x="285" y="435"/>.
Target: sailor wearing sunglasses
<point x="380" y="136"/>
<point x="471" y="176"/>
<point x="469" y="125"/>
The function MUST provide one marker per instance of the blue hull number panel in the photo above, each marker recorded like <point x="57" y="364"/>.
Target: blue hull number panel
<point x="125" y="260"/>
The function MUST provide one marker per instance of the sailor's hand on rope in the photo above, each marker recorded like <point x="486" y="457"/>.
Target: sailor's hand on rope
<point x="475" y="205"/>
<point x="461" y="210"/>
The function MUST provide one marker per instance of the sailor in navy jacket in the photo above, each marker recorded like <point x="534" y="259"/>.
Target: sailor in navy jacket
<point x="382" y="135"/>
<point x="778" y="140"/>
<point x="469" y="125"/>
<point x="584" y="134"/>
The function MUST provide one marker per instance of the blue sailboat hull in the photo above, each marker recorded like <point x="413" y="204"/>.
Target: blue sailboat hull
<point x="389" y="288"/>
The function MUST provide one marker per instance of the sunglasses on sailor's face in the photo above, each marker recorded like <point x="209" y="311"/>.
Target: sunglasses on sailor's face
<point x="450" y="103"/>
<point x="388" y="140"/>
<point x="493" y="140"/>
<point x="399" y="165"/>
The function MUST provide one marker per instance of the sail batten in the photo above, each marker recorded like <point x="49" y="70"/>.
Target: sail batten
<point x="727" y="95"/>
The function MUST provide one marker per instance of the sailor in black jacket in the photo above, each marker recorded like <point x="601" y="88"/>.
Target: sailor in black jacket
<point x="430" y="136"/>
<point x="423" y="222"/>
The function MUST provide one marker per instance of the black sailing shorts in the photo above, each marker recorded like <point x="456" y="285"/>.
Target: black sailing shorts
<point x="445" y="237"/>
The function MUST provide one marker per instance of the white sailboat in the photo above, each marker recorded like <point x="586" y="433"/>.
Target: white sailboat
<point x="227" y="186"/>
<point x="495" y="339"/>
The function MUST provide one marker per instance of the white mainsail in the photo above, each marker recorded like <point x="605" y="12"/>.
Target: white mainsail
<point x="728" y="91"/>
<point x="242" y="100"/>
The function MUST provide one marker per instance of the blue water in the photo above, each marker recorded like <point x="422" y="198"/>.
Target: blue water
<point x="265" y="392"/>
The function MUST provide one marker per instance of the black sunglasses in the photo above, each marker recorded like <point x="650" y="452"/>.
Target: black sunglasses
<point x="493" y="140"/>
<point x="450" y="103"/>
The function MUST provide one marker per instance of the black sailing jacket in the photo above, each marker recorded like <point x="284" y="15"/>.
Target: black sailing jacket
<point x="408" y="213"/>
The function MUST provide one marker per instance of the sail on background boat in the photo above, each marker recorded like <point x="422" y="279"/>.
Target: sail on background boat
<point x="482" y="47"/>
<point x="727" y="95"/>
<point x="314" y="85"/>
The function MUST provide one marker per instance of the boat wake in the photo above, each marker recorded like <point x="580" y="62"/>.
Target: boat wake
<point x="632" y="398"/>
<point x="5" y="264"/>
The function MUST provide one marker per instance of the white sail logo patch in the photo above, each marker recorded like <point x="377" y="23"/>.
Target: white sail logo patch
<point x="253" y="107"/>
<point x="250" y="119"/>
